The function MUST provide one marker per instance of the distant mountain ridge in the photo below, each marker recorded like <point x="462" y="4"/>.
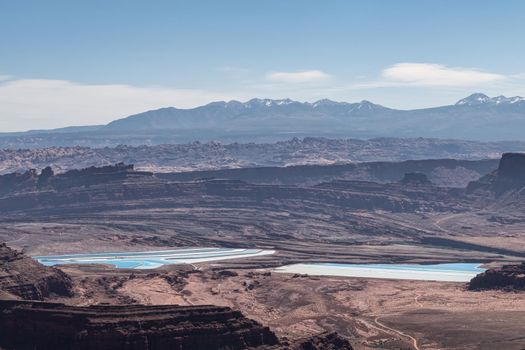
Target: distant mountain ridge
<point x="476" y="117"/>
<point x="284" y="113"/>
<point x="479" y="99"/>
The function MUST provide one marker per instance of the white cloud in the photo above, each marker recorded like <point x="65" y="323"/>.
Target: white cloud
<point x="428" y="74"/>
<point x="40" y="103"/>
<point x="519" y="76"/>
<point x="307" y="76"/>
<point x="437" y="74"/>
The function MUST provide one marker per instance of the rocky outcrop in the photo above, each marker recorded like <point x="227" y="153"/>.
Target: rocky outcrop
<point x="97" y="175"/>
<point x="508" y="277"/>
<point x="415" y="179"/>
<point x="503" y="190"/>
<point x="23" y="277"/>
<point x="31" y="325"/>
<point x="442" y="172"/>
<point x="18" y="181"/>
<point x="47" y="179"/>
<point x="510" y="176"/>
<point x="44" y="177"/>
<point x="512" y="167"/>
<point x="325" y="341"/>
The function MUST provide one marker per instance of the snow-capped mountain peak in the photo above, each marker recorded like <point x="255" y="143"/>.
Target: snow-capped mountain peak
<point x="324" y="102"/>
<point x="474" y="99"/>
<point x="478" y="99"/>
<point x="516" y="99"/>
<point x="257" y="102"/>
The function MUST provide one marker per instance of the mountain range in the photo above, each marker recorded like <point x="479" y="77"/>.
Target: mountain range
<point x="476" y="117"/>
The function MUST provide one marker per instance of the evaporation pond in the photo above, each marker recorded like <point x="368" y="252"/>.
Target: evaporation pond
<point x="453" y="272"/>
<point x="153" y="259"/>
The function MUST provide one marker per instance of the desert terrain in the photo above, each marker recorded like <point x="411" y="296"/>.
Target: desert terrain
<point x="371" y="313"/>
<point x="117" y="209"/>
<point x="262" y="175"/>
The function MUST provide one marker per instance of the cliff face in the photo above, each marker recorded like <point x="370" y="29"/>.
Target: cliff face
<point x="18" y="181"/>
<point x="28" y="325"/>
<point x="23" y="277"/>
<point x="69" y="192"/>
<point x="415" y="179"/>
<point x="512" y="167"/>
<point x="508" y="277"/>
<point x="48" y="180"/>
<point x="442" y="172"/>
<point x="510" y="176"/>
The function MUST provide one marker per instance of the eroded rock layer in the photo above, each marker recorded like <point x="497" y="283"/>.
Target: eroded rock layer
<point x="508" y="277"/>
<point x="325" y="341"/>
<point x="508" y="177"/>
<point x="23" y="277"/>
<point x="31" y="325"/>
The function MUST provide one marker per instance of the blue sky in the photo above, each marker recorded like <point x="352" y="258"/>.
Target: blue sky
<point x="89" y="62"/>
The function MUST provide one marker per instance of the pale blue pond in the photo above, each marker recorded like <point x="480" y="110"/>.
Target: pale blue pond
<point x="453" y="272"/>
<point x="153" y="259"/>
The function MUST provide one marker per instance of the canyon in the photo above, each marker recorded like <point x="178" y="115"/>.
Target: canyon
<point x="404" y="218"/>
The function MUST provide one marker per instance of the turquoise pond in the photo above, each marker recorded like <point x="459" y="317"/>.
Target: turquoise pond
<point x="452" y="272"/>
<point x="153" y="259"/>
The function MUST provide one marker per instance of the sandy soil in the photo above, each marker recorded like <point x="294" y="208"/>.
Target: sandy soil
<point x="154" y="291"/>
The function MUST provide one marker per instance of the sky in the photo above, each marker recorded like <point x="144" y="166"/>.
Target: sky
<point x="88" y="62"/>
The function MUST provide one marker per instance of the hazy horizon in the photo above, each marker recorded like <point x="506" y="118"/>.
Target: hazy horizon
<point x="243" y="101"/>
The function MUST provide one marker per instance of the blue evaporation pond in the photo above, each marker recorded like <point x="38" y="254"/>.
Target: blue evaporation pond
<point x="452" y="272"/>
<point x="459" y="267"/>
<point x="152" y="259"/>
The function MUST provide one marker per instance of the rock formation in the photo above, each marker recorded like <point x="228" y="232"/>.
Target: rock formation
<point x="46" y="174"/>
<point x="512" y="167"/>
<point x="74" y="188"/>
<point x="289" y="162"/>
<point x="325" y="341"/>
<point x="415" y="179"/>
<point x="23" y="277"/>
<point x="18" y="181"/>
<point x="48" y="180"/>
<point x="508" y="277"/>
<point x="31" y="325"/>
<point x="442" y="172"/>
<point x="510" y="176"/>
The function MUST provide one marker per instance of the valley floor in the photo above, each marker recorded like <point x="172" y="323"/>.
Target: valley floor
<point x="372" y="313"/>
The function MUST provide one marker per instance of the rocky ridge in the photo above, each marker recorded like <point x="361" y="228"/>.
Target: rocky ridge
<point x="507" y="277"/>
<point x="503" y="188"/>
<point x="442" y="172"/>
<point x="325" y="341"/>
<point x="509" y="176"/>
<point x="27" y="325"/>
<point x="223" y="155"/>
<point x="47" y="179"/>
<point x="73" y="190"/>
<point x="25" y="278"/>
